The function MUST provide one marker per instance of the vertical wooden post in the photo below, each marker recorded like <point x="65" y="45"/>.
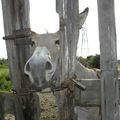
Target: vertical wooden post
<point x="69" y="32"/>
<point x="16" y="17"/>
<point x="109" y="82"/>
<point x="1" y="108"/>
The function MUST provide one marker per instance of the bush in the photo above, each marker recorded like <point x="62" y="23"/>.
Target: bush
<point x="83" y="61"/>
<point x="90" y="61"/>
<point x="3" y="62"/>
<point x="5" y="82"/>
<point x="94" y="61"/>
<point x="119" y="64"/>
<point x="5" y="85"/>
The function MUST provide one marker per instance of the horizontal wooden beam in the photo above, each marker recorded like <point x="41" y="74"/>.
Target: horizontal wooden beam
<point x="91" y="96"/>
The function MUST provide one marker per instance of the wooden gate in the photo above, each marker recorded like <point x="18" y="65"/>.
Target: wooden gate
<point x="19" y="45"/>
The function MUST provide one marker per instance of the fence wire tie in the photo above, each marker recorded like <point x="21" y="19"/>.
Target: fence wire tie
<point x="67" y="84"/>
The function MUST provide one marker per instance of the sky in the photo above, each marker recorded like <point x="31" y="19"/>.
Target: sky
<point x="43" y="18"/>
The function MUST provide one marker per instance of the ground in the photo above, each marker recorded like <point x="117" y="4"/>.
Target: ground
<point x="48" y="108"/>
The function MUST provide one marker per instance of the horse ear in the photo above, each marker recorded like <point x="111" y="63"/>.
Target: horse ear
<point x="82" y="17"/>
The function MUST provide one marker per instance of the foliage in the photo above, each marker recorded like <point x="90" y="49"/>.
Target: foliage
<point x="3" y="62"/>
<point x="91" y="61"/>
<point x="94" y="61"/>
<point x="118" y="64"/>
<point x="5" y="82"/>
<point x="118" y="61"/>
<point x="83" y="61"/>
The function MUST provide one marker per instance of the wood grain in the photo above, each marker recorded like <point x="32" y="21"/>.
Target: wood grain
<point x="108" y="60"/>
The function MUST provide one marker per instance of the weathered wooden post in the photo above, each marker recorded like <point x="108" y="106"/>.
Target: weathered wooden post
<point x="18" y="42"/>
<point x="109" y="80"/>
<point x="69" y="32"/>
<point x="1" y="109"/>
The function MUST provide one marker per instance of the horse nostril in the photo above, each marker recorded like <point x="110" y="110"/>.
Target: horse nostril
<point x="43" y="82"/>
<point x="48" y="65"/>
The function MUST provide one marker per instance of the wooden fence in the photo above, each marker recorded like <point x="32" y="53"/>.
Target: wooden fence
<point x="104" y="92"/>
